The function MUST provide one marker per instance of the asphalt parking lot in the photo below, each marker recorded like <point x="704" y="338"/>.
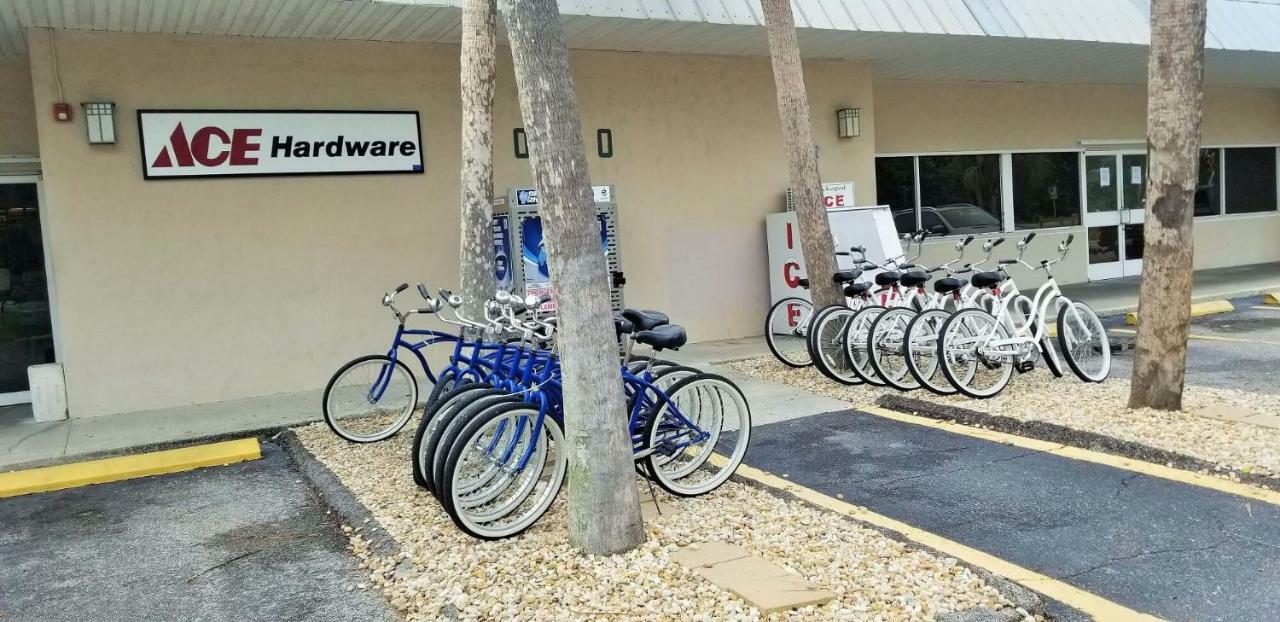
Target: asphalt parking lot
<point x="1237" y="350"/>
<point x="247" y="541"/>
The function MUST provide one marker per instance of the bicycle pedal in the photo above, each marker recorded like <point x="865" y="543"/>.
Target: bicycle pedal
<point x="1024" y="366"/>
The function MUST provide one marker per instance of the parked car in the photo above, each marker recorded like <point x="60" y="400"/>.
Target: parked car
<point x="951" y="219"/>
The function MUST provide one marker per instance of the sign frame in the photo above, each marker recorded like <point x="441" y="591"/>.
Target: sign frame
<point x="142" y="145"/>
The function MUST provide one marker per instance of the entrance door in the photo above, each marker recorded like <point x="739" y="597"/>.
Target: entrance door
<point x="26" y="335"/>
<point x="1115" y="188"/>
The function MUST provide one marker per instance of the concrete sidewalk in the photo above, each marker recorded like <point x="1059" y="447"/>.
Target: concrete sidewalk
<point x="1118" y="296"/>
<point x="24" y="442"/>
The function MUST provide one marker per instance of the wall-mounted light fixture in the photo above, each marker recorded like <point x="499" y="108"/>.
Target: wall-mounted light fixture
<point x="848" y="123"/>
<point x="604" y="143"/>
<point x="521" y="143"/>
<point x="100" y="122"/>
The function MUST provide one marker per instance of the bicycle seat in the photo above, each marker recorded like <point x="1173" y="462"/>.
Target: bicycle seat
<point x="947" y="285"/>
<point x="622" y="325"/>
<point x="665" y="337"/>
<point x="987" y="279"/>
<point x="854" y="290"/>
<point x="803" y="283"/>
<point x="846" y="276"/>
<point x="888" y="277"/>
<point x="646" y="319"/>
<point x="912" y="279"/>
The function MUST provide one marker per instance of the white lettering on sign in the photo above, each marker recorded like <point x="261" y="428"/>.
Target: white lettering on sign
<point x="230" y="143"/>
<point x="838" y="194"/>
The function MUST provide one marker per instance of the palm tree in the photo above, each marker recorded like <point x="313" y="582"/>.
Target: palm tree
<point x="479" y="67"/>
<point x="1175" y="93"/>
<point x="604" y="506"/>
<point x="802" y="160"/>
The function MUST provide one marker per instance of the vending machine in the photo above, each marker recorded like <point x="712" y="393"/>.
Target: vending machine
<point x="520" y="255"/>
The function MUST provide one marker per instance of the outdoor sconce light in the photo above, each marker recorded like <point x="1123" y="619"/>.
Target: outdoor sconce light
<point x="100" y="122"/>
<point x="847" y="123"/>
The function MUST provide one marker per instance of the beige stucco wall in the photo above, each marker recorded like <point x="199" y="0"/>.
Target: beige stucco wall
<point x="915" y="117"/>
<point x="17" y="112"/>
<point x="191" y="291"/>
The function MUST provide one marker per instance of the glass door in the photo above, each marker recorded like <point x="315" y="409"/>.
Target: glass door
<point x="1115" y="188"/>
<point x="26" y="334"/>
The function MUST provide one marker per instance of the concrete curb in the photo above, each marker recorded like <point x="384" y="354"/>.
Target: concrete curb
<point x="120" y="468"/>
<point x="1068" y="436"/>
<point x="1231" y="295"/>
<point x="346" y="509"/>
<point x="259" y="433"/>
<point x="1033" y="602"/>
<point x="1198" y="309"/>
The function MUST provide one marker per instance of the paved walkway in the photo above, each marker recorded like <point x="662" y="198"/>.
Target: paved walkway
<point x="1116" y="296"/>
<point x="1173" y="550"/>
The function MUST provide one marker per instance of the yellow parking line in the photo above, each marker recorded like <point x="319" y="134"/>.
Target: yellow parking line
<point x="1085" y="455"/>
<point x="1096" y="606"/>
<point x="1126" y="331"/>
<point x="77" y="474"/>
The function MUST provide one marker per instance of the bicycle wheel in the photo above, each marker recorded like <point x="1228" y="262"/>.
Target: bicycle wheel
<point x="524" y="498"/>
<point x="370" y="398"/>
<point x="922" y="351"/>
<point x="447" y="399"/>
<point x="811" y="340"/>
<point x="447" y="433"/>
<point x="786" y="328"/>
<point x="431" y="446"/>
<point x="855" y="343"/>
<point x="886" y="343"/>
<point x="1084" y="342"/>
<point x="829" y="355"/>
<point x="703" y="415"/>
<point x="969" y="360"/>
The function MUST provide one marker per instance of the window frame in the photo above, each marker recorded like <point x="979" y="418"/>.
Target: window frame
<point x="1006" y="182"/>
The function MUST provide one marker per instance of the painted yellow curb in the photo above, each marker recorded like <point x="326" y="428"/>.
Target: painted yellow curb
<point x="1271" y="298"/>
<point x="45" y="479"/>
<point x="1239" y="489"/>
<point x="1198" y="309"/>
<point x="1096" y="606"/>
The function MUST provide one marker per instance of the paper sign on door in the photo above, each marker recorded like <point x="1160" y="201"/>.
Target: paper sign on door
<point x="1135" y="175"/>
<point x="1104" y="177"/>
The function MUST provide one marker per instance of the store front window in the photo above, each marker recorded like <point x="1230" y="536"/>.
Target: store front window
<point x="896" y="187"/>
<point x="1208" y="200"/>
<point x="963" y="191"/>
<point x="1046" y="190"/>
<point x="1250" y="175"/>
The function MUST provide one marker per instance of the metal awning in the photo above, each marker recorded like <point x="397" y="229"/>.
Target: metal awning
<point x="999" y="40"/>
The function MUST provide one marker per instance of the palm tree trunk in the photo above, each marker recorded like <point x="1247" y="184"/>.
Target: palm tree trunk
<point x="793" y="107"/>
<point x="1175" y="93"/>
<point x="604" y="506"/>
<point x="479" y="67"/>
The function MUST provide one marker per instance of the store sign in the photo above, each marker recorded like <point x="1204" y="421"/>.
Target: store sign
<point x="839" y="194"/>
<point x="238" y="143"/>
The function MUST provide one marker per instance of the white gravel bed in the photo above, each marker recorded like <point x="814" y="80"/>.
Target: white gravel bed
<point x="537" y="576"/>
<point x="1098" y="408"/>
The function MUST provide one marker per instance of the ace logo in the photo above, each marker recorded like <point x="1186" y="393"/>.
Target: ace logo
<point x="234" y="149"/>
<point x="227" y="143"/>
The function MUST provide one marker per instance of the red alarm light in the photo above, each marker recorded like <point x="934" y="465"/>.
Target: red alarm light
<point x="62" y="111"/>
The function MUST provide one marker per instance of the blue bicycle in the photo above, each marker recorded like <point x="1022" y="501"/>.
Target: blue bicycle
<point x="373" y="397"/>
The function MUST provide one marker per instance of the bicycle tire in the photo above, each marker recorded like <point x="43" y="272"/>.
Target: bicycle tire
<point x="862" y="365"/>
<point x="397" y="424"/>
<point x="1068" y="351"/>
<point x="956" y="322"/>
<point x="934" y="382"/>
<point x="770" y="340"/>
<point x="654" y="462"/>
<point x="424" y="425"/>
<point x="893" y="378"/>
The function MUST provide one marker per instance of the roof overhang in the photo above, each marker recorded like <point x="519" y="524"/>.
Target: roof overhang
<point x="1094" y="41"/>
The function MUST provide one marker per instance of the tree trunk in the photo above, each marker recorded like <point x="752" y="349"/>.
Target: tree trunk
<point x="793" y="107"/>
<point x="604" y="507"/>
<point x="1175" y="90"/>
<point x="479" y="34"/>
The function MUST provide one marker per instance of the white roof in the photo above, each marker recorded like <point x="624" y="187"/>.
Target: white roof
<point x="1033" y="40"/>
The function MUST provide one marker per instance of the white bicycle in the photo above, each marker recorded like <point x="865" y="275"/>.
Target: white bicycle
<point x="979" y="350"/>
